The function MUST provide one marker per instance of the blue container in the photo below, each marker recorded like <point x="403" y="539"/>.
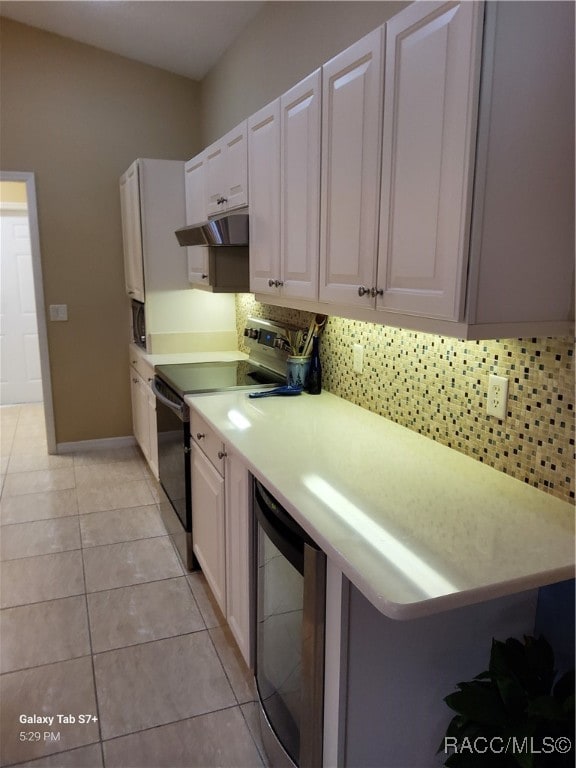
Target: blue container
<point x="297" y="367"/>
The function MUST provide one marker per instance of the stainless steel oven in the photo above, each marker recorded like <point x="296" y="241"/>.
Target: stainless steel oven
<point x="266" y="367"/>
<point x="290" y="586"/>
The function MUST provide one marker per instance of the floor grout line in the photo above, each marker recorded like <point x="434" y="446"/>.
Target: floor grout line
<point x="83" y="592"/>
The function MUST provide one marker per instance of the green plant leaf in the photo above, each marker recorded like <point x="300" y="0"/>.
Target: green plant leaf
<point x="547" y="708"/>
<point x="513" y="697"/>
<point x="478" y="701"/>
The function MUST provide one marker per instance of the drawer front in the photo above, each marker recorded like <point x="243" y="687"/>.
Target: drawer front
<point x="142" y="366"/>
<point x="204" y="436"/>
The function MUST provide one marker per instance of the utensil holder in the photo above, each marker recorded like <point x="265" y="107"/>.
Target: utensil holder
<point x="297" y="367"/>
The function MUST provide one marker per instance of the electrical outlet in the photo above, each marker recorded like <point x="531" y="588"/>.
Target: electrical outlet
<point x="497" y="396"/>
<point x="358" y="358"/>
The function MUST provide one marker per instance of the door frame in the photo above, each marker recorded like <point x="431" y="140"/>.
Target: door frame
<point x="29" y="179"/>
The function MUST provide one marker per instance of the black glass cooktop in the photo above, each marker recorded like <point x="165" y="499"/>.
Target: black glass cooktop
<point x="198" y="378"/>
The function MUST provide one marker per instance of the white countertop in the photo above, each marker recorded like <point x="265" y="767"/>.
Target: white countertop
<point x="418" y="527"/>
<point x="187" y="357"/>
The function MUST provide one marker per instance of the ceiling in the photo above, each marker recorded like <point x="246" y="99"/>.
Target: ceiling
<point x="180" y="36"/>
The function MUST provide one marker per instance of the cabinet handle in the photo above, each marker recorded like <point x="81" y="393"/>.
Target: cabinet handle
<point x="376" y="292"/>
<point x="200" y="435"/>
<point x="363" y="291"/>
<point x="222" y="454"/>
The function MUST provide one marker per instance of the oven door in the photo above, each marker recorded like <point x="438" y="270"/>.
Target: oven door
<point x="173" y="426"/>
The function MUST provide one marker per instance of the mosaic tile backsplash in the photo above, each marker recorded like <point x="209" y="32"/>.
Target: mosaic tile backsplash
<point x="437" y="386"/>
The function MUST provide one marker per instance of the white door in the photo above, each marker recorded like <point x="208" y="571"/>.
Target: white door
<point x="196" y="213"/>
<point x="20" y="375"/>
<point x="264" y="189"/>
<point x="351" y="143"/>
<point x="430" y="104"/>
<point x="300" y="188"/>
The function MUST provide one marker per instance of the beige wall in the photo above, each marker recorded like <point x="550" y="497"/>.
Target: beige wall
<point x="77" y="117"/>
<point x="284" y="43"/>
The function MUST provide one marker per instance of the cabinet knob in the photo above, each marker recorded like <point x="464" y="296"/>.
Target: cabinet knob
<point x="200" y="435"/>
<point x="221" y="200"/>
<point x="271" y="283"/>
<point x="204" y="277"/>
<point x="222" y="454"/>
<point x="363" y="291"/>
<point x="130" y="293"/>
<point x="279" y="283"/>
<point x="376" y="292"/>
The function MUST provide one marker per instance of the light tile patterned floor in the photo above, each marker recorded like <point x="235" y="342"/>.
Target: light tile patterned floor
<point x="99" y="618"/>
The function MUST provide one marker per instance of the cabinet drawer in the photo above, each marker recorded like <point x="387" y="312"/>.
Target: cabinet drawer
<point x="141" y="365"/>
<point x="205" y="437"/>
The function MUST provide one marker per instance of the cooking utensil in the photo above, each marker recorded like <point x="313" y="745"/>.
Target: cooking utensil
<point x="286" y="390"/>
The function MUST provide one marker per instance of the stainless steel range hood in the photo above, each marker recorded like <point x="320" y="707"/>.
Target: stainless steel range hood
<point x="227" y="230"/>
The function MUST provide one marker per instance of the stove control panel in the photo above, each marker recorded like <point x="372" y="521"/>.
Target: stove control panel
<point x="267" y="342"/>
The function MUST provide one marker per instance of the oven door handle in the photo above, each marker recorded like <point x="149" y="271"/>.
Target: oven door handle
<point x="178" y="409"/>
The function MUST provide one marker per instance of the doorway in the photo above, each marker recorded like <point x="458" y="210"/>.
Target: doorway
<point x="24" y="367"/>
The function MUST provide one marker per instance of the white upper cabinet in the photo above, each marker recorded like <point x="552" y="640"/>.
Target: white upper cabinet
<point x="226" y="172"/>
<point x="431" y="80"/>
<point x="153" y="207"/>
<point x="300" y="118"/>
<point x="351" y="144"/>
<point x="284" y="182"/>
<point x="132" y="233"/>
<point x="264" y="190"/>
<point x="196" y="213"/>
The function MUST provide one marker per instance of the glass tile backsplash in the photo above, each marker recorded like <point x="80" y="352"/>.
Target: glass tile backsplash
<point x="437" y="386"/>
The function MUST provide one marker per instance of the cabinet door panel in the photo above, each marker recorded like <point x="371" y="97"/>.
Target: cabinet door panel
<point x="213" y="179"/>
<point x="430" y="109"/>
<point x="132" y="233"/>
<point x="208" y="522"/>
<point x="351" y="139"/>
<point x="236" y="168"/>
<point x="238" y="553"/>
<point x="300" y="188"/>
<point x="264" y="185"/>
<point x="197" y="255"/>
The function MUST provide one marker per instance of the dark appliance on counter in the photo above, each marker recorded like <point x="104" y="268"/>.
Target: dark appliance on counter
<point x="138" y="323"/>
<point x="290" y="593"/>
<point x="266" y="367"/>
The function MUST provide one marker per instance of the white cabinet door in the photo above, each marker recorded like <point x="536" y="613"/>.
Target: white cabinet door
<point x="238" y="553"/>
<point x="152" y="432"/>
<point x="132" y="232"/>
<point x="264" y="189"/>
<point x="208" y="523"/>
<point x="227" y="172"/>
<point x="351" y="144"/>
<point x="196" y="213"/>
<point x="140" y="421"/>
<point x="236" y="167"/>
<point x="432" y="71"/>
<point x="300" y="188"/>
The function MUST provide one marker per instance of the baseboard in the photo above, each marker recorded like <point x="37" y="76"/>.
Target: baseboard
<point x="96" y="445"/>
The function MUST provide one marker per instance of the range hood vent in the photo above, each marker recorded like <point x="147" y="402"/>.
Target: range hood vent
<point x="227" y="230"/>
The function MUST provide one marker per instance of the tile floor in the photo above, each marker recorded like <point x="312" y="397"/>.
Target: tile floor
<point x="99" y="619"/>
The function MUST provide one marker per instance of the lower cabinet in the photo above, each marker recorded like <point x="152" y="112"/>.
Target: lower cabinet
<point x="221" y="527"/>
<point x="144" y="413"/>
<point x="208" y="523"/>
